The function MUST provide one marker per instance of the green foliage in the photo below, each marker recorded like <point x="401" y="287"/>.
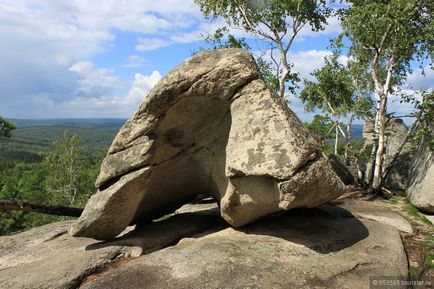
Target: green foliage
<point x="321" y="125"/>
<point x="223" y="39"/>
<point x="333" y="90"/>
<point x="67" y="178"/>
<point x="266" y="68"/>
<point x="31" y="179"/>
<point x="275" y="23"/>
<point x="388" y="34"/>
<point x="339" y="95"/>
<point x="274" y="13"/>
<point x="6" y="127"/>
<point x="424" y="115"/>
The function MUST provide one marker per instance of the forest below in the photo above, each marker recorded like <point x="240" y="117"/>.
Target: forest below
<point x="46" y="161"/>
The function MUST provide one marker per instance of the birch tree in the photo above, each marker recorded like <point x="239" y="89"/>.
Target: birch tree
<point x="339" y="95"/>
<point x="67" y="167"/>
<point x="275" y="22"/>
<point x="385" y="37"/>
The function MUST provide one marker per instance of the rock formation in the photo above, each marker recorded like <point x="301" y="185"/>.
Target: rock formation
<point x="396" y="134"/>
<point x="420" y="189"/>
<point x="210" y="126"/>
<point x="326" y="247"/>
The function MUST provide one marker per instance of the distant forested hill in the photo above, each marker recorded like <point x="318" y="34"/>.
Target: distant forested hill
<point x="33" y="138"/>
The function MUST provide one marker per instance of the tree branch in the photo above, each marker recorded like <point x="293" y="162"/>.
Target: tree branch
<point x="6" y="205"/>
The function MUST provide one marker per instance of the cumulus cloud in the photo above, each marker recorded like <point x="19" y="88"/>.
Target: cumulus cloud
<point x="141" y="86"/>
<point x="43" y="40"/>
<point x="92" y="78"/>
<point x="84" y="103"/>
<point x="418" y="80"/>
<point x="305" y="62"/>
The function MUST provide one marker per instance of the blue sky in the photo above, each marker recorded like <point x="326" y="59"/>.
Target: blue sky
<point x="78" y="58"/>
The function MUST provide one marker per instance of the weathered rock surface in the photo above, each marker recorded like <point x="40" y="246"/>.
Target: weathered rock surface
<point x="395" y="134"/>
<point x="397" y="179"/>
<point x="211" y="126"/>
<point x="48" y="257"/>
<point x="377" y="212"/>
<point x="305" y="248"/>
<point x="325" y="247"/>
<point x="420" y="189"/>
<point x="341" y="170"/>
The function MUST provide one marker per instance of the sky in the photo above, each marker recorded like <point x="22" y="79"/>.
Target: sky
<point x="99" y="59"/>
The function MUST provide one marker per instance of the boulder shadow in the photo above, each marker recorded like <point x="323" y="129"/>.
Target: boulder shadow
<point x="165" y="232"/>
<point x="325" y="229"/>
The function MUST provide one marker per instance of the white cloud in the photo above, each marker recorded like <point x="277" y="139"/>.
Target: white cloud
<point x="333" y="27"/>
<point x="141" y="86"/>
<point x="135" y="61"/>
<point x="86" y="103"/>
<point x="305" y="62"/>
<point x="417" y="80"/>
<point x="148" y="44"/>
<point x="95" y="80"/>
<point x="42" y="39"/>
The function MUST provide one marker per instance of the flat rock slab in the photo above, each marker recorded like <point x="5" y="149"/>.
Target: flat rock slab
<point x="48" y="257"/>
<point x="306" y="248"/>
<point x="376" y="211"/>
<point x="61" y="262"/>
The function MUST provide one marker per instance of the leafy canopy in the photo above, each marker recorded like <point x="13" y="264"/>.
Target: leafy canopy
<point x="276" y="23"/>
<point x="388" y="34"/>
<point x="6" y="127"/>
<point x="332" y="91"/>
<point x="250" y="15"/>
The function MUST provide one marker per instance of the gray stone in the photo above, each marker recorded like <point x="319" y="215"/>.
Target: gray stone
<point x="341" y="170"/>
<point x="211" y="126"/>
<point x="420" y="189"/>
<point x="375" y="211"/>
<point x="305" y="248"/>
<point x="48" y="257"/>
<point x="395" y="135"/>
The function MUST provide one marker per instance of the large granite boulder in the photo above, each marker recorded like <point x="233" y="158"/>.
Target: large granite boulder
<point x="420" y="189"/>
<point x="210" y="126"/>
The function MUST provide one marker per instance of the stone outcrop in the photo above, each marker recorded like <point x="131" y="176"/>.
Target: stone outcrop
<point x="395" y="134"/>
<point x="324" y="247"/>
<point x="48" y="257"/>
<point x="313" y="248"/>
<point x="420" y="189"/>
<point x="210" y="126"/>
